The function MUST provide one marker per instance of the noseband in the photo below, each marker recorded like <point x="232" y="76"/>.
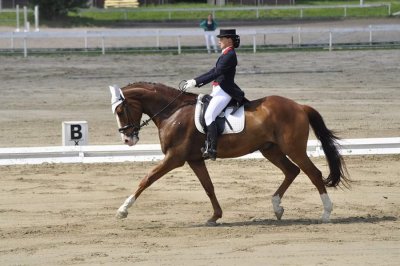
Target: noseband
<point x="136" y="128"/>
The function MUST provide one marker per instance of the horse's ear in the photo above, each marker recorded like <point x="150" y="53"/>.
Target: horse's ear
<point x="116" y="97"/>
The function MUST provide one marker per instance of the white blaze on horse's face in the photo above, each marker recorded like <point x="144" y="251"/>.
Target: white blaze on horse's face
<point x="116" y="99"/>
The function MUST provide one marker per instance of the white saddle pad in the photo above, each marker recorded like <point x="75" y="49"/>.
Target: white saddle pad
<point x="236" y="120"/>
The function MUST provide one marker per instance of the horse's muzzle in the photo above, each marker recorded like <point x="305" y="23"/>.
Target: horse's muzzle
<point x="130" y="141"/>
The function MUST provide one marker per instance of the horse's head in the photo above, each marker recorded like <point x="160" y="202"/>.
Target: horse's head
<point x="128" y="114"/>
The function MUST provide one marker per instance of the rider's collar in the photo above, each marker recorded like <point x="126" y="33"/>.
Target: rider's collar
<point x="227" y="49"/>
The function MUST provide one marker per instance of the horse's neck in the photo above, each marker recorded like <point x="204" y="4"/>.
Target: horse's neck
<point x="159" y="98"/>
<point x="160" y="102"/>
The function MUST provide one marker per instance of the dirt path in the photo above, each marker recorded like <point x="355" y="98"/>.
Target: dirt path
<point x="64" y="214"/>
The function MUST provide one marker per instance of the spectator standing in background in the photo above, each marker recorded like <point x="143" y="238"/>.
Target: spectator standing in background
<point x="209" y="25"/>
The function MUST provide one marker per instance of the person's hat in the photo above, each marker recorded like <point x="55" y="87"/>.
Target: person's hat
<point x="227" y="33"/>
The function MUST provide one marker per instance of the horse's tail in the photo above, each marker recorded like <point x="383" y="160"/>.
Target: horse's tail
<point x="338" y="172"/>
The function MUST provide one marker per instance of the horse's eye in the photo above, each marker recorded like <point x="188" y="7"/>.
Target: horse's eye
<point x="119" y="110"/>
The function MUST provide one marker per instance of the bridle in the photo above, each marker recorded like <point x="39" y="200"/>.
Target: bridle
<point x="130" y="124"/>
<point x="136" y="128"/>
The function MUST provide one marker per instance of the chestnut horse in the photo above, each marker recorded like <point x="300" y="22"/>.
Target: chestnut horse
<point x="277" y="127"/>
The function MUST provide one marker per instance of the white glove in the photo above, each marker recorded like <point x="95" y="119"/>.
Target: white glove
<point x="189" y="84"/>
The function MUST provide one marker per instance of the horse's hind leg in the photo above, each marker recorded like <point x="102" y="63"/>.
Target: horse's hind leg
<point x="315" y="175"/>
<point x="200" y="169"/>
<point x="290" y="170"/>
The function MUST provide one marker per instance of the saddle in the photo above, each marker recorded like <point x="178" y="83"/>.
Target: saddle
<point x="231" y="119"/>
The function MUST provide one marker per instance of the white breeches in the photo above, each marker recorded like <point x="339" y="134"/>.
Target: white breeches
<point x="219" y="101"/>
<point x="210" y="38"/>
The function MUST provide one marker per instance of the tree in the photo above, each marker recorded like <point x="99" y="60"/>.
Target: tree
<point x="51" y="9"/>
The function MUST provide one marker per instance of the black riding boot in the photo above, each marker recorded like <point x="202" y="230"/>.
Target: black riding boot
<point x="210" y="150"/>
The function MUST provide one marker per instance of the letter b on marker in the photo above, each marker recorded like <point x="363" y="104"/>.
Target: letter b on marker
<point x="74" y="133"/>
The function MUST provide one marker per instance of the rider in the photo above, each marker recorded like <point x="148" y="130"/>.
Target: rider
<point x="224" y="88"/>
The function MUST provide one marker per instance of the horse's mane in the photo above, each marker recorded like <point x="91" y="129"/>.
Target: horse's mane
<point x="168" y="92"/>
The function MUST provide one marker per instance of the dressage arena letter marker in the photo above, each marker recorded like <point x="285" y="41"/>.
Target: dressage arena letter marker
<point x="74" y="133"/>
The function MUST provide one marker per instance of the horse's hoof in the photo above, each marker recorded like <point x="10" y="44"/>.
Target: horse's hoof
<point x="279" y="213"/>
<point x="211" y="223"/>
<point x="121" y="215"/>
<point x="325" y="218"/>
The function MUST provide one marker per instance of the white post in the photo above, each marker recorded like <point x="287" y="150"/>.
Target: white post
<point x="301" y="13"/>
<point x="361" y="2"/>
<point x="25" y="18"/>
<point x="12" y="41"/>
<point x="370" y="34"/>
<point x="36" y="18"/>
<point x="330" y="41"/>
<point x="25" y="48"/>
<point x="158" y="39"/>
<point x="179" y="45"/>
<point x="345" y="11"/>
<point x="17" y="16"/>
<point x="103" y="48"/>
<point x="254" y="44"/>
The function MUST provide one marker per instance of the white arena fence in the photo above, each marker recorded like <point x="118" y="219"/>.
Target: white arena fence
<point x="177" y="39"/>
<point x="152" y="152"/>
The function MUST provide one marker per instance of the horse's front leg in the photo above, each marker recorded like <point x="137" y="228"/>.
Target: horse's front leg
<point x="167" y="164"/>
<point x="200" y="169"/>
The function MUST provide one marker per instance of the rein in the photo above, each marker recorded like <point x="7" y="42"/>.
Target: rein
<point x="136" y="128"/>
